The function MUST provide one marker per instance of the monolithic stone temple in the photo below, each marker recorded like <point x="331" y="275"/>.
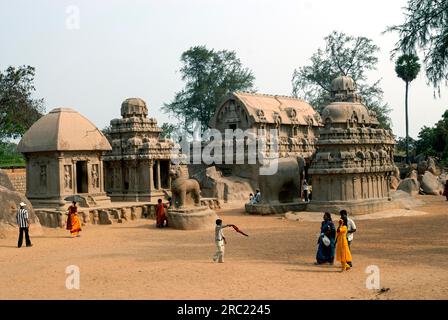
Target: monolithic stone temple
<point x="354" y="159"/>
<point x="296" y="122"/>
<point x="138" y="167"/>
<point x="63" y="152"/>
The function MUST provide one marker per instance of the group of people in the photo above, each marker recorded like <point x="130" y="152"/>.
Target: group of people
<point x="73" y="223"/>
<point x="254" y="199"/>
<point x="335" y="242"/>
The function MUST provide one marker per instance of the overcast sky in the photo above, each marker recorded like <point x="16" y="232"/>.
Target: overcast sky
<point x="131" y="48"/>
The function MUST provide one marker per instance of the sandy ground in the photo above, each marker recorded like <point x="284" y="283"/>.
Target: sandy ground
<point x="137" y="261"/>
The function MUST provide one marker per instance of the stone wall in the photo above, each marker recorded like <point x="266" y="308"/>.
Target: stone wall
<point x="16" y="177"/>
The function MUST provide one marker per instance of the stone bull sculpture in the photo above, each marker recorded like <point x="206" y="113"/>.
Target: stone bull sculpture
<point x="184" y="189"/>
<point x="285" y="185"/>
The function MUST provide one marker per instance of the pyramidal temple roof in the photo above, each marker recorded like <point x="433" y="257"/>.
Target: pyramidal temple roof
<point x="63" y="129"/>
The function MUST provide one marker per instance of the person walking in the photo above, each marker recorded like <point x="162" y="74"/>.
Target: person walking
<point x="351" y="229"/>
<point x="73" y="221"/>
<point x="220" y="240"/>
<point x="23" y="221"/>
<point x="161" y="214"/>
<point x="326" y="241"/>
<point x="343" y="253"/>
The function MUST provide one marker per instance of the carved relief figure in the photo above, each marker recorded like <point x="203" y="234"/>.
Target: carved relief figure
<point x="95" y="176"/>
<point x="43" y="176"/>
<point x="68" y="177"/>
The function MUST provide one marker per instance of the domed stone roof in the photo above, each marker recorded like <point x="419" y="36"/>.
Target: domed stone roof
<point x="341" y="112"/>
<point x="63" y="129"/>
<point x="347" y="105"/>
<point x="343" y="83"/>
<point x="134" y="107"/>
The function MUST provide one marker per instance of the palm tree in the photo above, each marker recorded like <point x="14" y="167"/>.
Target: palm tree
<point x="407" y="68"/>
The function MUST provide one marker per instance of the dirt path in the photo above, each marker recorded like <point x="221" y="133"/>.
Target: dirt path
<point x="137" y="261"/>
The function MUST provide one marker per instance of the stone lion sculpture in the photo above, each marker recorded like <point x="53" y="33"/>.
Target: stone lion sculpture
<point x="184" y="189"/>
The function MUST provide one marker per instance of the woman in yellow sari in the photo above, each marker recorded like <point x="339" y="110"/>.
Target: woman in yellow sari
<point x="342" y="250"/>
<point x="73" y="222"/>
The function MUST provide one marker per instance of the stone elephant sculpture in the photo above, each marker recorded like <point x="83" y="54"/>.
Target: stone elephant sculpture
<point x="285" y="185"/>
<point x="183" y="189"/>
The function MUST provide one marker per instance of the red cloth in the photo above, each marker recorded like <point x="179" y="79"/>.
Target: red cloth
<point x="239" y="231"/>
<point x="160" y="213"/>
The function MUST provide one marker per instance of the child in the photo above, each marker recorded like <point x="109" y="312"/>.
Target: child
<point x="220" y="240"/>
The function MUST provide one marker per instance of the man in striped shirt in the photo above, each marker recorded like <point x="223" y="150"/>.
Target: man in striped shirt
<point x="23" y="222"/>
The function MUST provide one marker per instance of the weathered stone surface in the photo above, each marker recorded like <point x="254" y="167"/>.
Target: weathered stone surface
<point x="267" y="209"/>
<point x="348" y="170"/>
<point x="5" y="181"/>
<point x="9" y="202"/>
<point x="138" y="166"/>
<point x="430" y="184"/>
<point x="409" y="185"/>
<point x="284" y="186"/>
<point x="215" y="185"/>
<point x="201" y="218"/>
<point x="394" y="183"/>
<point x="63" y="154"/>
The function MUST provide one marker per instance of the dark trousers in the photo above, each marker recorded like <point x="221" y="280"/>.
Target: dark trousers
<point x="305" y="195"/>
<point x="27" y="237"/>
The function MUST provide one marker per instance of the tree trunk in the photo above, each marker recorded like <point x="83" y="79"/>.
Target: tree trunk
<point x="407" y="123"/>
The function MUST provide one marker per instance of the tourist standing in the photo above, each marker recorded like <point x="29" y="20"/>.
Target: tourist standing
<point x="305" y="190"/>
<point x="220" y="240"/>
<point x="351" y="229"/>
<point x="73" y="221"/>
<point x="343" y="254"/>
<point x="160" y="214"/>
<point x="257" y="197"/>
<point x="23" y="221"/>
<point x="326" y="241"/>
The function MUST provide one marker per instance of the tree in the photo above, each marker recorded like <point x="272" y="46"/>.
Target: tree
<point x="426" y="28"/>
<point x="167" y="130"/>
<point x="18" y="109"/>
<point x="343" y="55"/>
<point x="209" y="75"/>
<point x="407" y="68"/>
<point x="434" y="141"/>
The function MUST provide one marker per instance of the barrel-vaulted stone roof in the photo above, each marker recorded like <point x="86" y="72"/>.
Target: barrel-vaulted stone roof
<point x="272" y="108"/>
<point x="63" y="129"/>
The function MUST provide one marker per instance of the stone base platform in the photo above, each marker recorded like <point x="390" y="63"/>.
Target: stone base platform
<point x="266" y="209"/>
<point x="115" y="212"/>
<point x="359" y="207"/>
<point x="196" y="218"/>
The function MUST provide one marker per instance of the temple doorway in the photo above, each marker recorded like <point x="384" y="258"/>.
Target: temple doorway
<point x="81" y="177"/>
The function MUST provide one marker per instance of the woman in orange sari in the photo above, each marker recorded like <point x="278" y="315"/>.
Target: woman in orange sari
<point x="342" y="250"/>
<point x="73" y="222"/>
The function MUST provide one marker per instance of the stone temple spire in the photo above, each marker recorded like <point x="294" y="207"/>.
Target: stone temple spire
<point x="344" y="88"/>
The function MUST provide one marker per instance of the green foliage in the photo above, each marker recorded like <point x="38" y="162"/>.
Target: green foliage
<point x="343" y="55"/>
<point x="407" y="67"/>
<point x="9" y="156"/>
<point x="208" y="75"/>
<point x="18" y="109"/>
<point x="400" y="147"/>
<point x="168" y="129"/>
<point x="433" y="141"/>
<point x="426" y="28"/>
